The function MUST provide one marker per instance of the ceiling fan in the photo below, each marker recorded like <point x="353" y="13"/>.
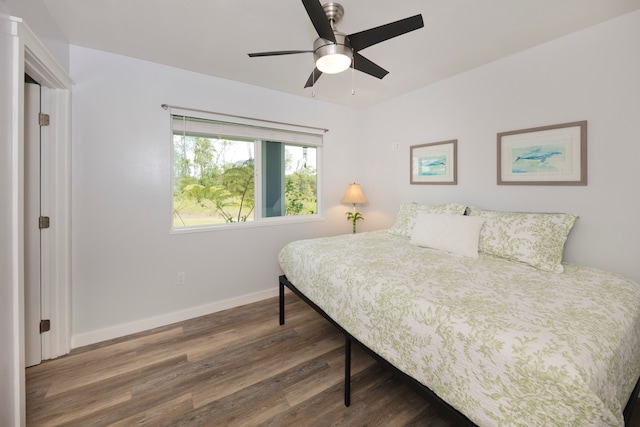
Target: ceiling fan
<point x="334" y="51"/>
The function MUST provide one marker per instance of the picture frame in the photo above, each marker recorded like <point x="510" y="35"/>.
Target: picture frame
<point x="547" y="155"/>
<point x="434" y="163"/>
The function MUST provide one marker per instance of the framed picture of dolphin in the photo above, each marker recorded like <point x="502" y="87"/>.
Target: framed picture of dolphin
<point x="434" y="163"/>
<point x="548" y="155"/>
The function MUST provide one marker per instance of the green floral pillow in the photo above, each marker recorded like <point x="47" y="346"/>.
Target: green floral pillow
<point x="407" y="215"/>
<point x="531" y="238"/>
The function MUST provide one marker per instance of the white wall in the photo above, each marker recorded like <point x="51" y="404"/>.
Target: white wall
<point x="124" y="259"/>
<point x="591" y="75"/>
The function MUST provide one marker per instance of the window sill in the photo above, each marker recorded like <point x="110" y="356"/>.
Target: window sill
<point x="265" y="222"/>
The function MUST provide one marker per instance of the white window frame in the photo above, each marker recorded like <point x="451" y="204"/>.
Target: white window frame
<point x="258" y="130"/>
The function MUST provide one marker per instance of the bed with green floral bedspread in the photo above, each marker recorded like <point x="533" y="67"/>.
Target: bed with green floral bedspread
<point x="502" y="342"/>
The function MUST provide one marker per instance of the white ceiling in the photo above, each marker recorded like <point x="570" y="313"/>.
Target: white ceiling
<point x="214" y="36"/>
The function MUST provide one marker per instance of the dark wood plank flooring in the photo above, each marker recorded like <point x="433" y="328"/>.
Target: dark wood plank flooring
<point x="236" y="367"/>
<point x="233" y="368"/>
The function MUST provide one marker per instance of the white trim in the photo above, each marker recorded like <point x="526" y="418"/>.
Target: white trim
<point x="17" y="235"/>
<point x="264" y="222"/>
<point x="168" y="319"/>
<point x="38" y="61"/>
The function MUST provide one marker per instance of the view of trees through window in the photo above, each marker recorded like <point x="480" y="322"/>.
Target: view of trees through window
<point x="214" y="180"/>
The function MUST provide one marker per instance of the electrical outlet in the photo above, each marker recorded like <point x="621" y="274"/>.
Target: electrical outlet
<point x="181" y="278"/>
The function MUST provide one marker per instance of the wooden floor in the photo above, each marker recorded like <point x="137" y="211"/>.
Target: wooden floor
<point x="233" y="368"/>
<point x="237" y="367"/>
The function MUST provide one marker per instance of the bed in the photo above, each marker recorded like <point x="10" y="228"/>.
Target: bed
<point x="508" y="335"/>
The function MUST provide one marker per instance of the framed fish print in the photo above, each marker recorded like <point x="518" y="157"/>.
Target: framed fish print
<point x="434" y="163"/>
<point x="548" y="155"/>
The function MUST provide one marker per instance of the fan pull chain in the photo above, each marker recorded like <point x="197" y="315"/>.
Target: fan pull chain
<point x="353" y="76"/>
<point x="313" y="81"/>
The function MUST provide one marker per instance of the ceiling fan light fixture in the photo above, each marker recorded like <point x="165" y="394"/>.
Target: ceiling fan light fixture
<point x="334" y="63"/>
<point x="333" y="58"/>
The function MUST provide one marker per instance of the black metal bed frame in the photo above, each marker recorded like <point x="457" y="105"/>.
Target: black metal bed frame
<point x="453" y="414"/>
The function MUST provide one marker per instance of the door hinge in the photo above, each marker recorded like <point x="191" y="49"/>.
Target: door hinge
<point x="43" y="119"/>
<point x="43" y="222"/>
<point x="45" y="325"/>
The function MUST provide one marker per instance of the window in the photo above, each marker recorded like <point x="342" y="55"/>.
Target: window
<point x="242" y="172"/>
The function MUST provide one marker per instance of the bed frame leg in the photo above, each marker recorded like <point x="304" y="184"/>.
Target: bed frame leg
<point x="347" y="371"/>
<point x="281" y="302"/>
<point x="631" y="404"/>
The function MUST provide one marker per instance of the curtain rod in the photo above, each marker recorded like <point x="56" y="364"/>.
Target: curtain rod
<point x="167" y="106"/>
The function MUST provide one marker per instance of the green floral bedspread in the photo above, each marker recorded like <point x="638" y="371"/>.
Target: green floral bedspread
<point x="504" y="343"/>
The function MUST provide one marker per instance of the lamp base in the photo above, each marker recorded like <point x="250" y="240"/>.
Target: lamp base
<point x="354" y="217"/>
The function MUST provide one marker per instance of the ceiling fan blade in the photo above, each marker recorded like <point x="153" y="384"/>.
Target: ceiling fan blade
<point x="315" y="75"/>
<point x="372" y="36"/>
<point x="363" y="64"/>
<point x="278" y="52"/>
<point x="319" y="19"/>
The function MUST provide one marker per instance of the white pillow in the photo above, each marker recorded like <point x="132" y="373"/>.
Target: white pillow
<point x="458" y="234"/>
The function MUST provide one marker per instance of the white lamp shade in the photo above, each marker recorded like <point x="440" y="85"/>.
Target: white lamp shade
<point x="354" y="195"/>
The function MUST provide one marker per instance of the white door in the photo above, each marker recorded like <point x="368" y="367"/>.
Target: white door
<point x="32" y="276"/>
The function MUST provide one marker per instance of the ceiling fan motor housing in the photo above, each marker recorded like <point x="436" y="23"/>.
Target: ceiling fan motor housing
<point x="334" y="12"/>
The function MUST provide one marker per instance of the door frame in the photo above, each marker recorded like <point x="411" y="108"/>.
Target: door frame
<point x="32" y="57"/>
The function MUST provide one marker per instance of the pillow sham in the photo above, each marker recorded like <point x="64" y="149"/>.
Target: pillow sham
<point x="457" y="234"/>
<point x="536" y="239"/>
<point x="407" y="215"/>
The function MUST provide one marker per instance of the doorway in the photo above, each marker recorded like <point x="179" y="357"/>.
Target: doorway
<point x="55" y="166"/>
<point x="21" y="52"/>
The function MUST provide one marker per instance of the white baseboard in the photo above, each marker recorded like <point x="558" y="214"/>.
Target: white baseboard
<point x="167" y="319"/>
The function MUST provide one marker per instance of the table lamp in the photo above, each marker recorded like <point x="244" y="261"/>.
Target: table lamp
<point x="354" y="196"/>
